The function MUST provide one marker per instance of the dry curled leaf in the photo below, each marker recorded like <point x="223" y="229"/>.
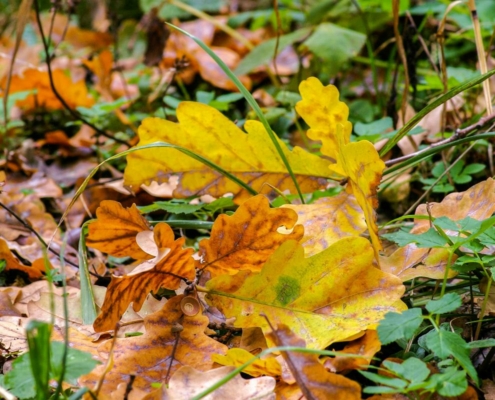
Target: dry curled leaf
<point x="246" y="239"/>
<point x="171" y="264"/>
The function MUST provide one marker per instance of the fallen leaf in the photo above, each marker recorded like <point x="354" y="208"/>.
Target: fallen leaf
<point x="188" y="382"/>
<point x="312" y="378"/>
<point x="361" y="164"/>
<point x="34" y="272"/>
<point x="246" y="239"/>
<point x="408" y="262"/>
<point x="365" y="348"/>
<point x="150" y="356"/>
<point x="327" y="220"/>
<point x="75" y="94"/>
<point x="321" y="109"/>
<point x="207" y="132"/>
<point x="324" y="298"/>
<point x="115" y="230"/>
<point x="171" y="264"/>
<point x="236" y="357"/>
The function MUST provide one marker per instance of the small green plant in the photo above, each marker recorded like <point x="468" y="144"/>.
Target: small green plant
<point x="439" y="343"/>
<point x="459" y="174"/>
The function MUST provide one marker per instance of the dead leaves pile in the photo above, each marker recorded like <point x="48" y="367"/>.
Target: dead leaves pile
<point x="298" y="275"/>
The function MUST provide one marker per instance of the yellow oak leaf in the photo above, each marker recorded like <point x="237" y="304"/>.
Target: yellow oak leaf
<point x="205" y="131"/>
<point x="360" y="163"/>
<point x="171" y="264"/>
<point x="321" y="109"/>
<point x="171" y="341"/>
<point x="246" y="239"/>
<point x="324" y="298"/>
<point x="115" y="230"/>
<point x="313" y="380"/>
<point x="236" y="357"/>
<point x="327" y="220"/>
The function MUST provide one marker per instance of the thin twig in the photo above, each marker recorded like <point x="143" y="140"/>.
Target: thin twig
<point x="458" y="134"/>
<point x="74" y="113"/>
<point x="42" y="241"/>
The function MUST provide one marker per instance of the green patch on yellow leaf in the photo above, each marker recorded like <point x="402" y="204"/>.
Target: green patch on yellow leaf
<point x="324" y="298"/>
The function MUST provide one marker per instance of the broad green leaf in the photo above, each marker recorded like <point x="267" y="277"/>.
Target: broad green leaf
<point x="445" y="344"/>
<point x="480" y="344"/>
<point x="448" y="303"/>
<point x="430" y="238"/>
<point x="450" y="383"/>
<point x="397" y="326"/>
<point x="324" y="298"/>
<point x="205" y="131"/>
<point x="334" y="45"/>
<point x="413" y="369"/>
<point x="264" y="52"/>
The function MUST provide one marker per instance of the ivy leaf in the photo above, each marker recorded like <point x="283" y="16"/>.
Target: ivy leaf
<point x="397" y="326"/>
<point x="448" y="303"/>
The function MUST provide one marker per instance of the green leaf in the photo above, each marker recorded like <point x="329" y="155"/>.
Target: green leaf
<point x="78" y="363"/>
<point x="450" y="383"/>
<point x="263" y="53"/>
<point x="413" y="369"/>
<point x="445" y="344"/>
<point x="219" y="204"/>
<point x="448" y="303"/>
<point x="430" y="238"/>
<point x="375" y="127"/>
<point x="480" y="344"/>
<point x="385" y="380"/>
<point x="334" y="45"/>
<point x="399" y="326"/>
<point x="473" y="168"/>
<point x="20" y="380"/>
<point x="172" y="207"/>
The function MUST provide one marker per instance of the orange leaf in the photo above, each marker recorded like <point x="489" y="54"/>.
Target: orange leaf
<point x="114" y="232"/>
<point x="312" y="378"/>
<point x="245" y="240"/>
<point x="75" y="94"/>
<point x="150" y="356"/>
<point x="35" y="272"/>
<point x="165" y="270"/>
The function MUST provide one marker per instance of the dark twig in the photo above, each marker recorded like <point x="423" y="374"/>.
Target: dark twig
<point x="27" y="226"/>
<point x="74" y="113"/>
<point x="458" y="134"/>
